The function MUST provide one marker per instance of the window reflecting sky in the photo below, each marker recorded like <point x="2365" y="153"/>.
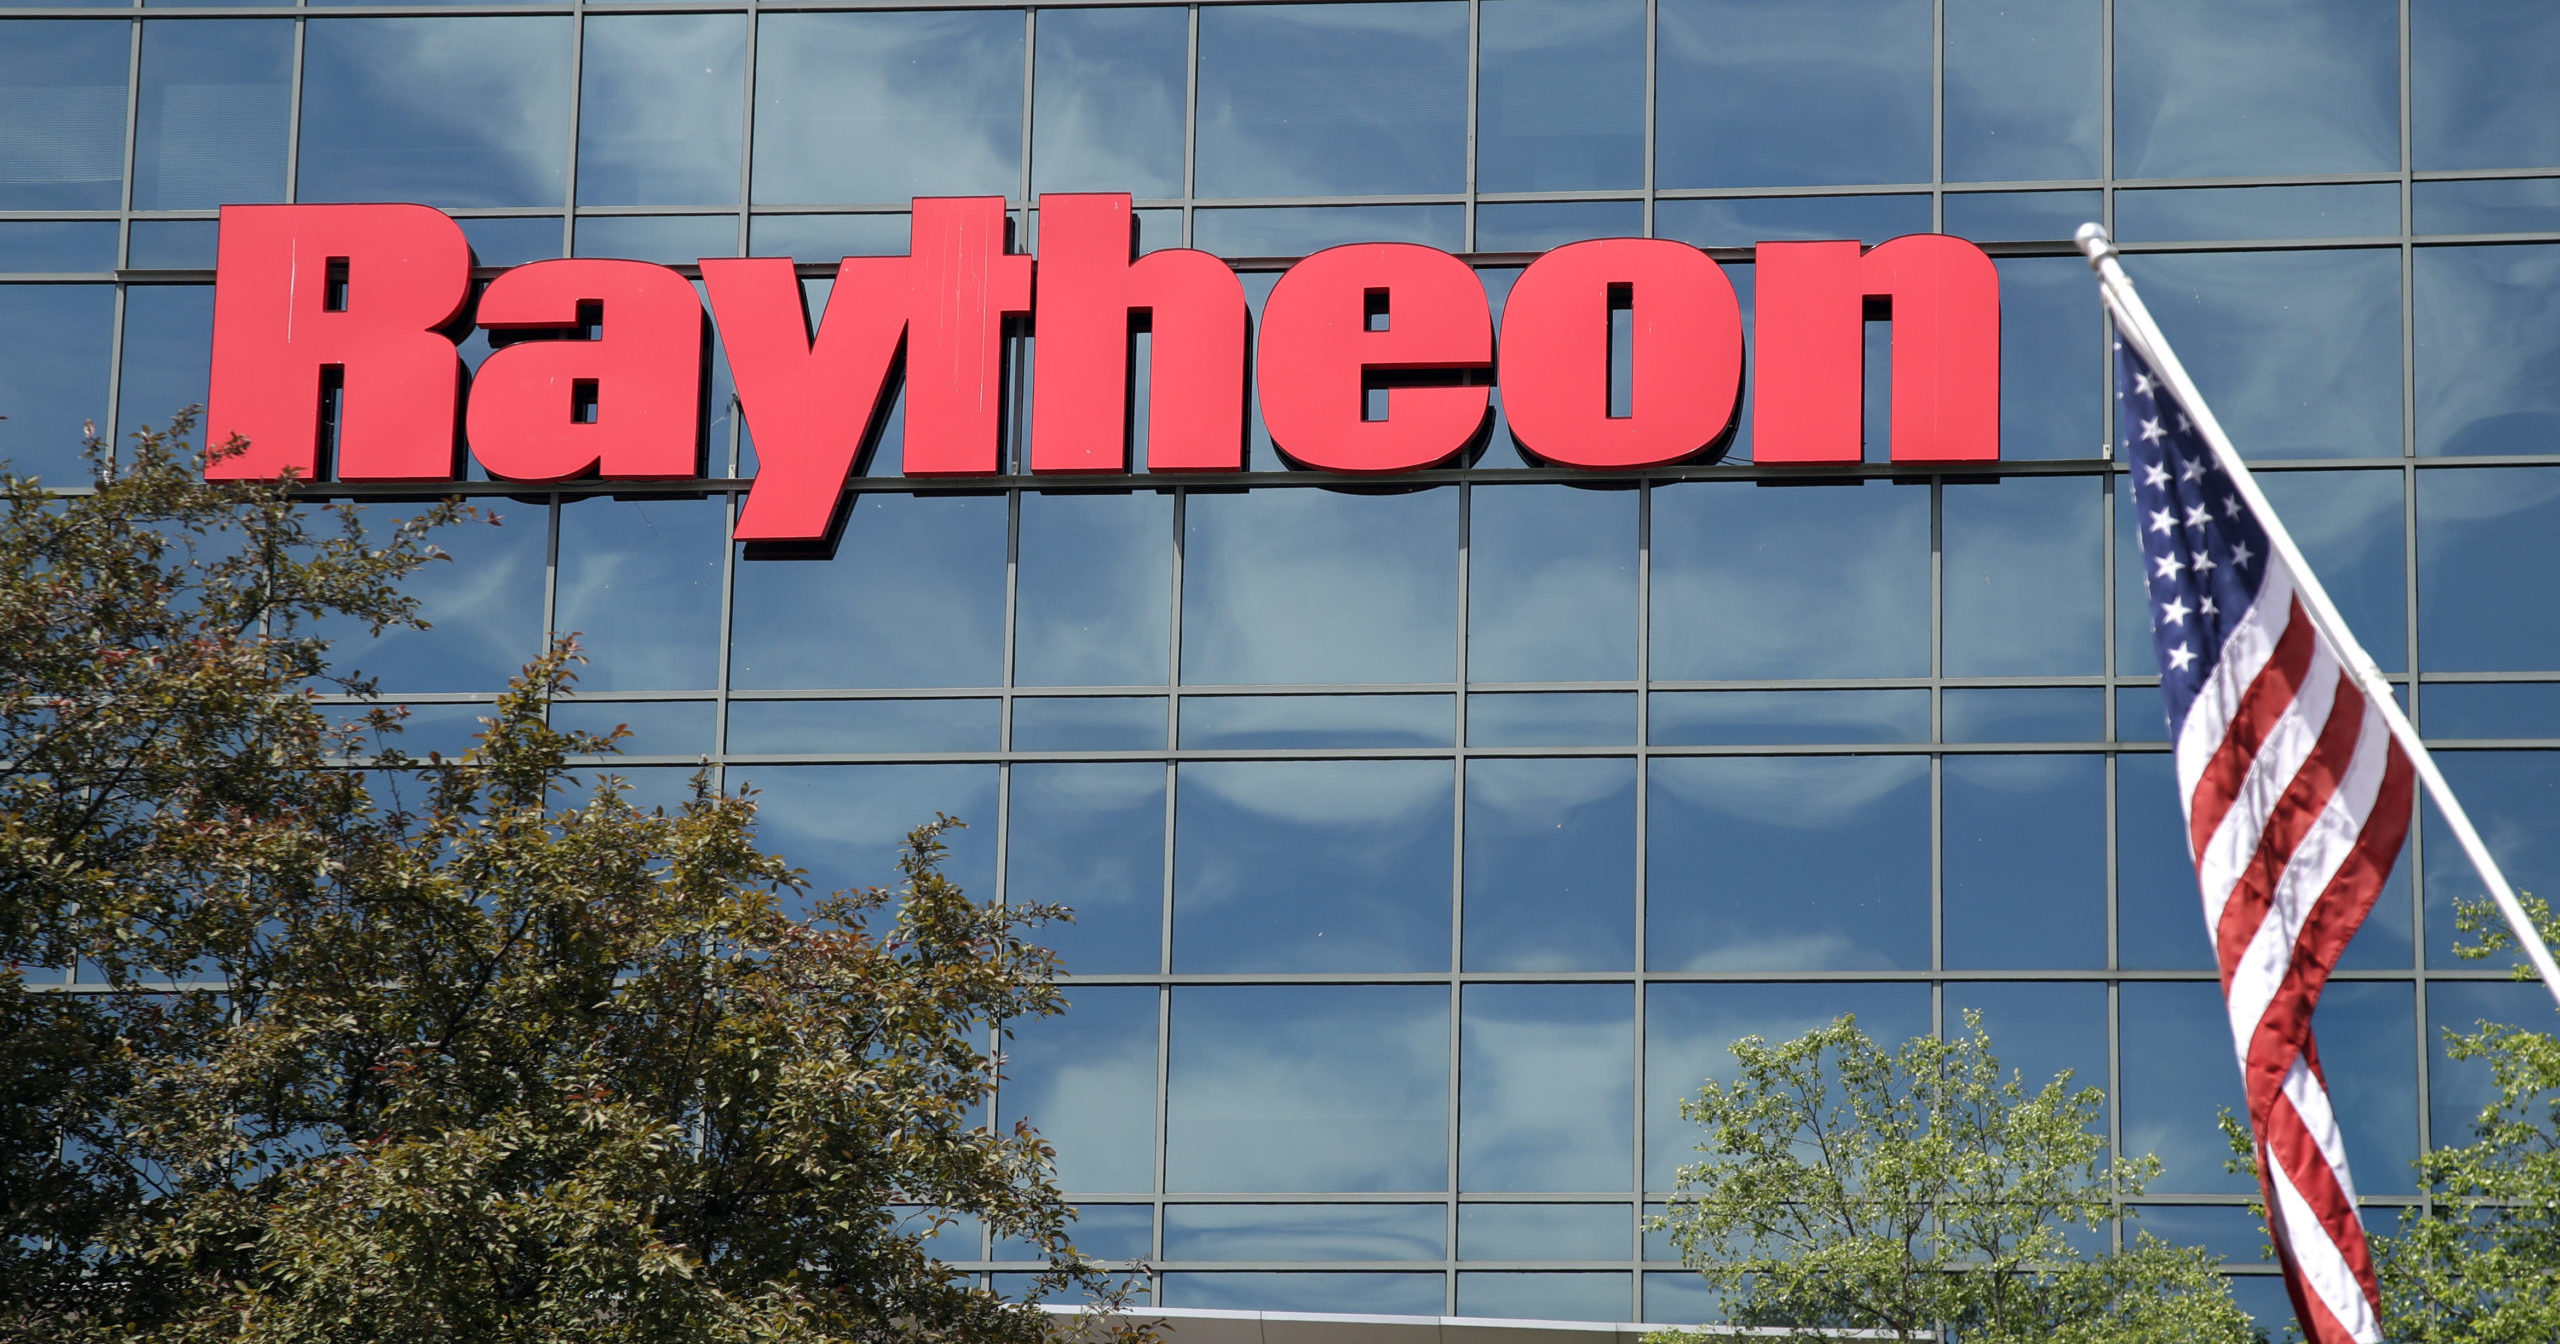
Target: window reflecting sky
<point x="1707" y="728"/>
<point x="880" y="107"/>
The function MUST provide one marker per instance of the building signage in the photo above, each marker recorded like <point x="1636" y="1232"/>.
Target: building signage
<point x="336" y="328"/>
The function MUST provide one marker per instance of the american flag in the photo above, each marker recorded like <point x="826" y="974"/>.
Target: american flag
<point x="2297" y="799"/>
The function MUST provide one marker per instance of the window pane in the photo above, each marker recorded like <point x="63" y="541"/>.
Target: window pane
<point x="1091" y="837"/>
<point x="62" y="88"/>
<point x="1233" y="722"/>
<point x="1404" y="1294"/>
<point x="2480" y="88"/>
<point x="846" y="824"/>
<point x="2455" y="710"/>
<point x="826" y="239"/>
<point x="2350" y="526"/>
<point x="2366" y="1029"/>
<point x="1297" y="585"/>
<point x="2484" y="205"/>
<point x="1104" y="1231"/>
<point x="484" y="606"/>
<point x="880" y="107"/>
<point x="2177" y="1071"/>
<point x="1308" y="100"/>
<point x="2486" y="339"/>
<point x="1305" y="1231"/>
<point x="1106" y="100"/>
<point x="670" y="240"/>
<point x="1543" y="1297"/>
<point x="2018" y="216"/>
<point x="2230" y="1231"/>
<point x="901" y="555"/>
<point x="1094" y="598"/>
<point x="1535" y="226"/>
<point x="1544" y="1232"/>
<point x="2205" y="89"/>
<point x="216" y="101"/>
<point x="2299" y="352"/>
<point x="2458" y="1089"/>
<point x="1312" y="866"/>
<point x="1552" y="719"/>
<point x="640" y="581"/>
<point x="2023" y="714"/>
<point x="2022" y="90"/>
<point x="2025" y="850"/>
<point x="1689" y="1030"/>
<point x="1297" y="230"/>
<point x="1745" y="220"/>
<point x="2511" y="796"/>
<point x="1086" y="1080"/>
<point x="1546" y="1091"/>
<point x="1757" y="581"/>
<point x="2025" y="563"/>
<point x="1308" y="1087"/>
<point x="1813" y="93"/>
<point x="1551" y="580"/>
<point x="818" y="727"/>
<point x="1788" y="718"/>
<point x="2159" y="911"/>
<point x="2051" y="355"/>
<point x="2039" y="1030"/>
<point x="2488" y="543"/>
<point x="1551" y="865"/>
<point x="1560" y="95"/>
<point x="1075" y="723"/>
<point x="507" y="241"/>
<point x="168" y="354"/>
<point x="660" y="96"/>
<point x="1681" y="1298"/>
<point x="1846" y="840"/>
<point x="453" y="112"/>
<point x="655" y="727"/>
<point x="2188" y="214"/>
<point x="59" y="246"/>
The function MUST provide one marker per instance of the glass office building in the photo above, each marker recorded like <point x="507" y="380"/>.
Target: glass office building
<point x="1433" y="838"/>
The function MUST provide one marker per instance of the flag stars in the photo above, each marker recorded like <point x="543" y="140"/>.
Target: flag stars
<point x="2162" y="520"/>
<point x="2241" y="555"/>
<point x="2192" y="470"/>
<point x="2198" y="515"/>
<point x="2205" y="606"/>
<point x="2167" y="565"/>
<point x="2180" y="658"/>
<point x="2142" y="383"/>
<point x="2174" y="612"/>
<point x="2152" y="432"/>
<point x="2155" y="476"/>
<point x="2231" y="507"/>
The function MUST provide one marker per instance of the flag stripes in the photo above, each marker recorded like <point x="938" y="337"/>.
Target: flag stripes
<point x="2297" y="802"/>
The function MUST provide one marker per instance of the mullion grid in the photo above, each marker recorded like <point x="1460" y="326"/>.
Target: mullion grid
<point x="2112" y="678"/>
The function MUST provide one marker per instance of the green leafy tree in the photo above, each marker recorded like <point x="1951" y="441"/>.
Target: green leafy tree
<point x="2483" y="1267"/>
<point x="1918" y="1190"/>
<point x="519" y="1062"/>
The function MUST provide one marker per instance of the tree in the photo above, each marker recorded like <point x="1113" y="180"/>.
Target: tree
<point x="523" y="1062"/>
<point x="1919" y="1190"/>
<point x="2483" y="1265"/>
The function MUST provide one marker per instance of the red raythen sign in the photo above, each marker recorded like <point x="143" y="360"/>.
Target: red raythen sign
<point x="362" y="306"/>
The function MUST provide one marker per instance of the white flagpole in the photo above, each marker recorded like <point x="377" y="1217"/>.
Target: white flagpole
<point x="2134" y="324"/>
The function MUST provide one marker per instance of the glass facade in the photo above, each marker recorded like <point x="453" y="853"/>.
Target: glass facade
<point x="1432" y="839"/>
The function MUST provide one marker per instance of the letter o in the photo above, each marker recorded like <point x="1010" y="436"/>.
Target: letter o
<point x="1687" y="357"/>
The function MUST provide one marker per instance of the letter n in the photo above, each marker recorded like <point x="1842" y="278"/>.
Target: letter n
<point x="1943" y="298"/>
